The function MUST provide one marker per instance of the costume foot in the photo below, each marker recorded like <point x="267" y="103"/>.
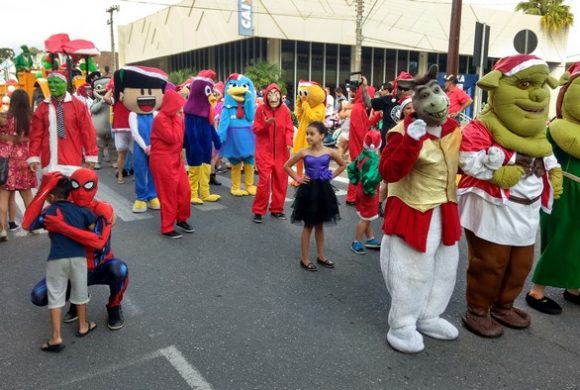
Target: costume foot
<point x="71" y="315"/>
<point x="438" y="328"/>
<point x="251" y="190"/>
<point x="482" y="325"/>
<point x="405" y="339"/>
<point x="238" y="192"/>
<point x="116" y="320"/>
<point x="543" y="305"/>
<point x="211" y="198"/>
<point x="48" y="347"/>
<point x="154" y="204"/>
<point x="197" y="201"/>
<point x="511" y="317"/>
<point x="90" y="327"/>
<point x="571" y="297"/>
<point x="139" y="206"/>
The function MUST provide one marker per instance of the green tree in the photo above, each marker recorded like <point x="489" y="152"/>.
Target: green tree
<point x="556" y="16"/>
<point x="179" y="76"/>
<point x="263" y="74"/>
<point x="6" y="53"/>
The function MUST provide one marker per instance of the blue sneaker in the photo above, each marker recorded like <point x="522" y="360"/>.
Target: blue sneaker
<point x="358" y="248"/>
<point x="373" y="243"/>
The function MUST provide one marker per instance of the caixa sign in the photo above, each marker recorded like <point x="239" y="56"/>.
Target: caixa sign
<point x="245" y="18"/>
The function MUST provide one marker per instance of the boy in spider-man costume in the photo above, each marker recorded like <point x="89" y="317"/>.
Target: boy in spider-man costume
<point x="102" y="265"/>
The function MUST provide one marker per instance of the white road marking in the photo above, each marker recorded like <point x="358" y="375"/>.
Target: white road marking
<point x="189" y="373"/>
<point x="122" y="206"/>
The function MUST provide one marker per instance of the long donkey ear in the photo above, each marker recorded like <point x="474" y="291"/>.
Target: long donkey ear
<point x="410" y="84"/>
<point x="430" y="75"/>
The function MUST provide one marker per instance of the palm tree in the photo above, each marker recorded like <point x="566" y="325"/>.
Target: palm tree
<point x="556" y="16"/>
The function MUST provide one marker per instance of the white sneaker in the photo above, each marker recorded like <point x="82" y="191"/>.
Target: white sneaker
<point x="3" y="236"/>
<point x="438" y="328"/>
<point x="406" y="339"/>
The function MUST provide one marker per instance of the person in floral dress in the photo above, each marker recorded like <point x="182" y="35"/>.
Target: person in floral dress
<point x="14" y="130"/>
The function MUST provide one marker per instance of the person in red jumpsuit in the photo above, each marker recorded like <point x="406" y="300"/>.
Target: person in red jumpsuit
<point x="168" y="168"/>
<point x="360" y="124"/>
<point x="274" y="131"/>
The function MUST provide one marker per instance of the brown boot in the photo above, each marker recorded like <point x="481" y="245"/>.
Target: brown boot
<point x="511" y="317"/>
<point x="481" y="323"/>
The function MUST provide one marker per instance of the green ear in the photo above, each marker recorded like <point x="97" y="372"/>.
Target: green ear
<point x="564" y="78"/>
<point x="552" y="82"/>
<point x="490" y="81"/>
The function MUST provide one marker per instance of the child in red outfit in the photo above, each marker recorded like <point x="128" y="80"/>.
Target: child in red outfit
<point x="274" y="130"/>
<point x="167" y="166"/>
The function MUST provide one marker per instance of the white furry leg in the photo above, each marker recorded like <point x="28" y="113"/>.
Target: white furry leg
<point x="438" y="328"/>
<point x="405" y="339"/>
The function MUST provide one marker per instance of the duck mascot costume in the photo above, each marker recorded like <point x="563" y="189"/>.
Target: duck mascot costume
<point x="510" y="173"/>
<point x="236" y="131"/>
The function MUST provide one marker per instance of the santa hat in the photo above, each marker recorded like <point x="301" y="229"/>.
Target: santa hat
<point x="208" y="73"/>
<point x="514" y="64"/>
<point x="372" y="140"/>
<point x="139" y="77"/>
<point x="402" y="106"/>
<point x="60" y="75"/>
<point x="574" y="71"/>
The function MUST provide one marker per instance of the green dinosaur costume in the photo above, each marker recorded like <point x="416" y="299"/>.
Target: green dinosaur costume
<point x="559" y="264"/>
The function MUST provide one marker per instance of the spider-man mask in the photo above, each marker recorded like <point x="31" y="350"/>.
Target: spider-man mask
<point x="84" y="186"/>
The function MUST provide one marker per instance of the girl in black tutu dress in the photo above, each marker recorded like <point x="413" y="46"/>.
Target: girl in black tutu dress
<point x="315" y="203"/>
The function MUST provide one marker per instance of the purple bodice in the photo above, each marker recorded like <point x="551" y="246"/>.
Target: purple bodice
<point x="316" y="167"/>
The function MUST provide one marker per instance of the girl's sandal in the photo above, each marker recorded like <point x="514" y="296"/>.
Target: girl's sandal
<point x="325" y="263"/>
<point x="308" y="267"/>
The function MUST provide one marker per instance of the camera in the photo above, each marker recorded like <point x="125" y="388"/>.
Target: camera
<point x="354" y="81"/>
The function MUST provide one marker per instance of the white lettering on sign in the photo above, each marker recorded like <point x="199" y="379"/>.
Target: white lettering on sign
<point x="246" y="13"/>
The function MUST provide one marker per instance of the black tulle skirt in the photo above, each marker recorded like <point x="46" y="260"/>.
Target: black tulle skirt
<point x="315" y="203"/>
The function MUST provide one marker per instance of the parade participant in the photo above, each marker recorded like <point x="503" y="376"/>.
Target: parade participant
<point x="167" y="164"/>
<point x="61" y="131"/>
<point x="509" y="172"/>
<point x="559" y="264"/>
<point x="103" y="268"/>
<point x="216" y="159"/>
<point x="200" y="135"/>
<point x="66" y="264"/>
<point x="23" y="61"/>
<point x="310" y="107"/>
<point x="235" y="131"/>
<point x="121" y="133"/>
<point x="359" y="125"/>
<point x="141" y="89"/>
<point x="458" y="99"/>
<point x="315" y="202"/>
<point x="101" y="116"/>
<point x="419" y="252"/>
<point x="274" y="131"/>
<point x="364" y="174"/>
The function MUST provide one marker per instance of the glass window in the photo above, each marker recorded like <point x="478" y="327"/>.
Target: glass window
<point x="331" y="65"/>
<point x="366" y="62"/>
<point x="317" y="63"/>
<point x="391" y="68"/>
<point x="402" y="61"/>
<point x="344" y="64"/>
<point x="443" y="63"/>
<point x="288" y="61"/>
<point x="302" y="60"/>
<point x="413" y="62"/>
<point x="378" y="62"/>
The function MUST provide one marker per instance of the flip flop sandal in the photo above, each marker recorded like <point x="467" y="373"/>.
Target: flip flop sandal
<point x="325" y="263"/>
<point x="92" y="326"/>
<point x="48" y="347"/>
<point x="310" y="267"/>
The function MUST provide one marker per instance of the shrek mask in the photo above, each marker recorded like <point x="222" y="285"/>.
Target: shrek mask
<point x="519" y="99"/>
<point x="57" y="85"/>
<point x="565" y="130"/>
<point x="140" y="88"/>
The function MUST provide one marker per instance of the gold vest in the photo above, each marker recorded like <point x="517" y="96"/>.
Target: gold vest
<point x="432" y="180"/>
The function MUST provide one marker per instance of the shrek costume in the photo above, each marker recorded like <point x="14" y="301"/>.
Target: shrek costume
<point x="559" y="264"/>
<point x="510" y="172"/>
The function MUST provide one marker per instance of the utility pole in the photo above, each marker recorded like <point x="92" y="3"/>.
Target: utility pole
<point x="359" y="37"/>
<point x="110" y="10"/>
<point x="454" y="28"/>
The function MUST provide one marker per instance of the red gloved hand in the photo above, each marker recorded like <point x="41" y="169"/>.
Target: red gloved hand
<point x="55" y="223"/>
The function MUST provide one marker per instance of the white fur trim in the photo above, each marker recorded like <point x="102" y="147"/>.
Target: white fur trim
<point x="482" y="194"/>
<point x="52" y="137"/>
<point x="140" y="70"/>
<point x="33" y="160"/>
<point x="92" y="159"/>
<point x="525" y="65"/>
<point x="66" y="170"/>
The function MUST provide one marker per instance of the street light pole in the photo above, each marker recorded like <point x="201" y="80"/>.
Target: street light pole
<point x="359" y="37"/>
<point x="110" y="10"/>
<point x="454" y="28"/>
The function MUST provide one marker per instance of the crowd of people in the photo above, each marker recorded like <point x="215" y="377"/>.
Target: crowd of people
<point x="401" y="146"/>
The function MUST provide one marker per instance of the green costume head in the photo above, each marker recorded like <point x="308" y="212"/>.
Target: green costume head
<point x="565" y="130"/>
<point x="57" y="84"/>
<point x="519" y="98"/>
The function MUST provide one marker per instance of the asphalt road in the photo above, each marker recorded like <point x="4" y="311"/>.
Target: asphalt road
<point x="229" y="308"/>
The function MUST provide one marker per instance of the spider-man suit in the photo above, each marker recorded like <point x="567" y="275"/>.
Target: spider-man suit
<point x="102" y="266"/>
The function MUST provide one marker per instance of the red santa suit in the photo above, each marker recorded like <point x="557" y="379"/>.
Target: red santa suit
<point x="359" y="125"/>
<point x="167" y="164"/>
<point x="272" y="143"/>
<point x="419" y="253"/>
<point x="62" y="154"/>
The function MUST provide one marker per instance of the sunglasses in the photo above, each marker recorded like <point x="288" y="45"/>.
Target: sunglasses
<point x="403" y="89"/>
